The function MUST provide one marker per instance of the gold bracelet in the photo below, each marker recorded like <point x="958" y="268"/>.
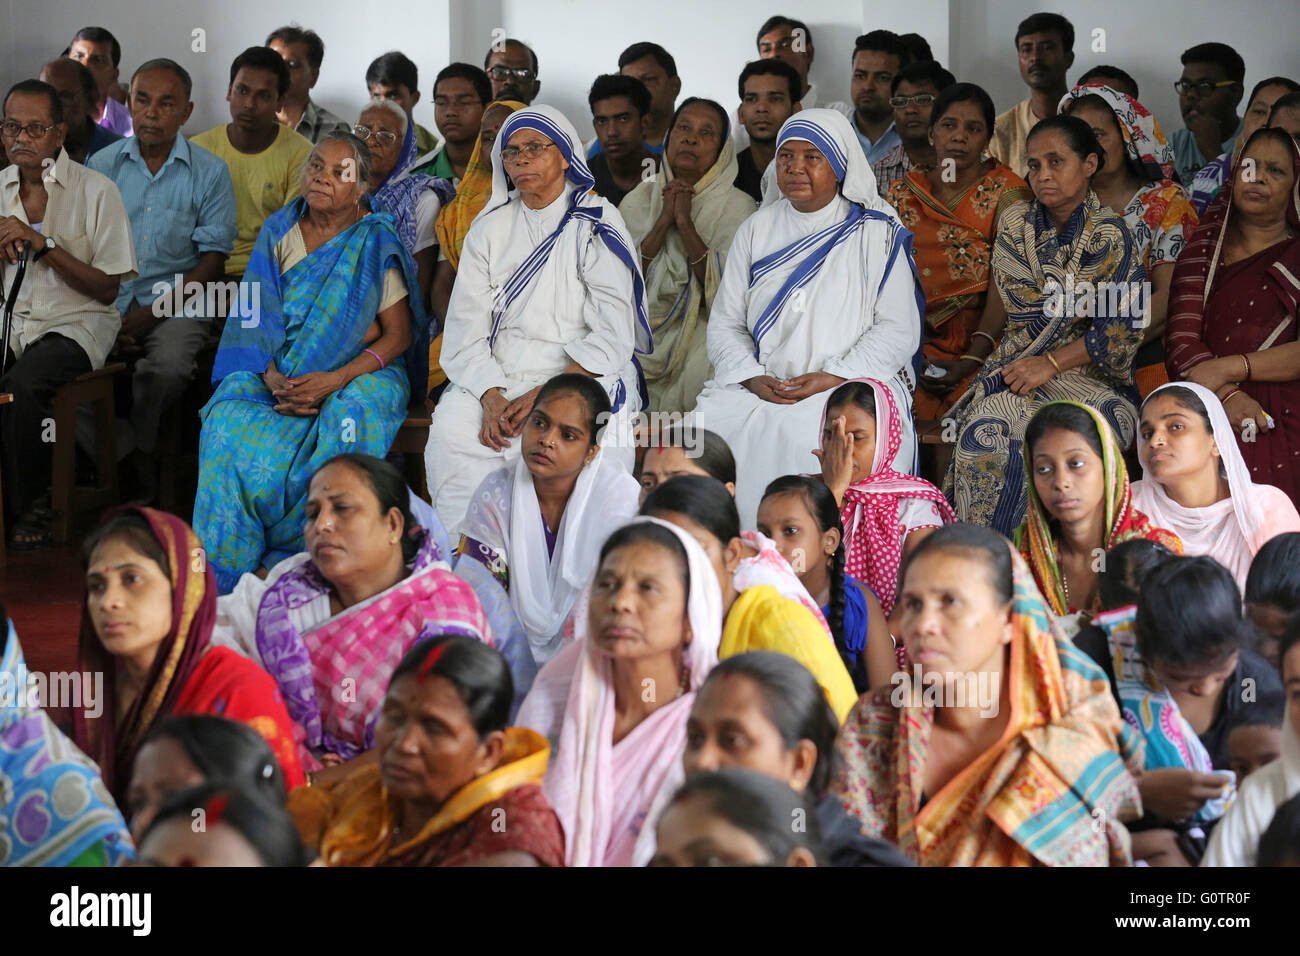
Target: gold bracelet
<point x="1246" y="362"/>
<point x="992" y="340"/>
<point x="974" y="358"/>
<point x="703" y="255"/>
<point x="1052" y="358"/>
<point x="1235" y="391"/>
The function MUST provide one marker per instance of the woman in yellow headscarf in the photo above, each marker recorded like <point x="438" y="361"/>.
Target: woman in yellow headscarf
<point x="454" y="219"/>
<point x="1003" y="746"/>
<point x="437" y="799"/>
<point x="684" y="220"/>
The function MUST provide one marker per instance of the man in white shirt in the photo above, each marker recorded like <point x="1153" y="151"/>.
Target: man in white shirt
<point x="65" y="320"/>
<point x="788" y="40"/>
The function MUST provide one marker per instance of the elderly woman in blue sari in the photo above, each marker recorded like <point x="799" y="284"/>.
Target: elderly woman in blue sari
<point x="1070" y="275"/>
<point x="322" y="358"/>
<point x="548" y="283"/>
<point x="54" y="807"/>
<point x="414" y="199"/>
<point x="819" y="287"/>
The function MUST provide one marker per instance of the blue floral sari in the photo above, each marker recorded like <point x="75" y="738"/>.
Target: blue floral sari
<point x="54" y="807"/>
<point x="255" y="464"/>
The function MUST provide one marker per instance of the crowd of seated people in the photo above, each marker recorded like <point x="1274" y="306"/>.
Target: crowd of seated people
<point x="675" y="567"/>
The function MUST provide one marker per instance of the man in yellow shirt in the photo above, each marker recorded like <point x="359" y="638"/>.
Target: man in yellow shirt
<point x="265" y="158"/>
<point x="1045" y="47"/>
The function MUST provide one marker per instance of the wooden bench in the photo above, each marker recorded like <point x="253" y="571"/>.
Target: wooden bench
<point x="66" y="496"/>
<point x="935" y="447"/>
<point x="411" y="439"/>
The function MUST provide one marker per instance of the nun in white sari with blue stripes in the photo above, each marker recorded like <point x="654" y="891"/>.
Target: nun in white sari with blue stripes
<point x="548" y="282"/>
<point x="809" y="297"/>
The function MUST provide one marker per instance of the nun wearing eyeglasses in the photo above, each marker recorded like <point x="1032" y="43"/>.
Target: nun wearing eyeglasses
<point x="819" y="288"/>
<point x="548" y="283"/>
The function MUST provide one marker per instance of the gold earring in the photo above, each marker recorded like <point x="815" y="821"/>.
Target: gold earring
<point x="393" y="540"/>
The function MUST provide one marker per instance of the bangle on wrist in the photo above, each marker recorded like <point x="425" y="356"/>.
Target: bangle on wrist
<point x="1056" y="365"/>
<point x="1235" y="391"/>
<point x="973" y="358"/>
<point x="702" y="256"/>
<point x="992" y="341"/>
<point x="1246" y="362"/>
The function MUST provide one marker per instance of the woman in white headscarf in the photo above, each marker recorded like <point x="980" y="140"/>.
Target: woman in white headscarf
<point x="683" y="221"/>
<point x="1235" y="841"/>
<point x="819" y="288"/>
<point x="548" y="283"/>
<point x="534" y="527"/>
<point x="614" y="703"/>
<point x="1196" y="484"/>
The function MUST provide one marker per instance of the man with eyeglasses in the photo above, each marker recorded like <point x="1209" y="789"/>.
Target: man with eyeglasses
<point x="1045" y="50"/>
<point x="461" y="92"/>
<point x="511" y="65"/>
<point x="77" y="91"/>
<point x="64" y="318"/>
<point x="265" y="158"/>
<point x="181" y="202"/>
<point x="915" y="89"/>
<point x="303" y="52"/>
<point x="98" y="51"/>
<point x="1208" y="93"/>
<point x="394" y="77"/>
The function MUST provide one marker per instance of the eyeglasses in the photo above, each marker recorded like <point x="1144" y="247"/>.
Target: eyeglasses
<point x="1202" y="87"/>
<point x="511" y="153"/>
<point x="920" y="99"/>
<point x="10" y="129"/>
<point x="506" y="73"/>
<point x="365" y="134"/>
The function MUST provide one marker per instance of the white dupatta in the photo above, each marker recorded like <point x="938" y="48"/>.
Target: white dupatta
<point x="506" y="516"/>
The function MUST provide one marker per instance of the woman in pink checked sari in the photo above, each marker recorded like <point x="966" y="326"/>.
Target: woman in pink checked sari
<point x="885" y="513"/>
<point x="330" y="624"/>
<point x="614" y="703"/>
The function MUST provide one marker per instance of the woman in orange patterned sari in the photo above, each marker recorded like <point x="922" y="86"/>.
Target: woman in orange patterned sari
<point x="453" y="785"/>
<point x="952" y="209"/>
<point x="1004" y="746"/>
<point x="151" y="600"/>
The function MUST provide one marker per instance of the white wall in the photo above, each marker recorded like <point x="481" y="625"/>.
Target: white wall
<point x="35" y="31"/>
<point x="1144" y="37"/>
<point x="710" y="39"/>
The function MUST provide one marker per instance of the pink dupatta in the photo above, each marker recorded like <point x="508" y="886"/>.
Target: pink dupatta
<point x="873" y="533"/>
<point x="608" y="796"/>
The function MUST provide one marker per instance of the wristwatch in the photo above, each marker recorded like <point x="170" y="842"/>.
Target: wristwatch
<point x="49" y="244"/>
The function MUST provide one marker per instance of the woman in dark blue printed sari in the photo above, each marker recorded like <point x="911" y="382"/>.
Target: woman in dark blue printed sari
<point x="319" y="361"/>
<point x="1071" y="277"/>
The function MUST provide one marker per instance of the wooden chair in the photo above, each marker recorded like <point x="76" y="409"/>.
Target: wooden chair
<point x="66" y="496"/>
<point x="935" y="449"/>
<point x="5" y="399"/>
<point x="411" y="439"/>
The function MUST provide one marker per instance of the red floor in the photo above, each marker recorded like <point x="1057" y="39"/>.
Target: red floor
<point x="42" y="591"/>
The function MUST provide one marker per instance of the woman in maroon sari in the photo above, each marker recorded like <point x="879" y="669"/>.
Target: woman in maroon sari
<point x="1234" y="304"/>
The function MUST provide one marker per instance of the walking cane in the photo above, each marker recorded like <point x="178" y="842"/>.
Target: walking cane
<point x="10" y="301"/>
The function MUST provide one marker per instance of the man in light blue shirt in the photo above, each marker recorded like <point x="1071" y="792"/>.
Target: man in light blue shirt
<point x="1208" y="93"/>
<point x="181" y="202"/>
<point x="877" y="57"/>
